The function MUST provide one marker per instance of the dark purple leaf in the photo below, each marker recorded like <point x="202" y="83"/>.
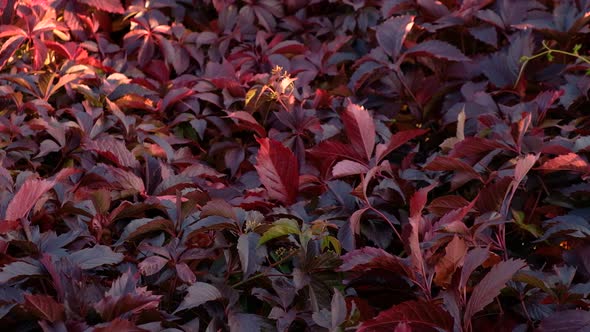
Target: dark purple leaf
<point x="436" y="49"/>
<point x="45" y="307"/>
<point x="125" y="298"/>
<point x="199" y="293"/>
<point x="251" y="255"/>
<point x="566" y="321"/>
<point x="392" y="33"/>
<point x="398" y="139"/>
<point x="96" y="256"/>
<point x="18" y="269"/>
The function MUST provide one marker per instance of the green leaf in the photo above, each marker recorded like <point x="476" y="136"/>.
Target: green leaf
<point x="280" y="228"/>
<point x="577" y="48"/>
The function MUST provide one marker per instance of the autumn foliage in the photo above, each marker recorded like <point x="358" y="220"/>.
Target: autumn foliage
<point x="300" y="165"/>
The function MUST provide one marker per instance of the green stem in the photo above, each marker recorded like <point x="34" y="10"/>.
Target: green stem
<point x="548" y="50"/>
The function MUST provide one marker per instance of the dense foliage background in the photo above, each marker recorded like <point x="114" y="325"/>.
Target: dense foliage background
<point x="295" y="165"/>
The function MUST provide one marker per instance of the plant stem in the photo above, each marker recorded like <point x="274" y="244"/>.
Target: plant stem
<point x="548" y="50"/>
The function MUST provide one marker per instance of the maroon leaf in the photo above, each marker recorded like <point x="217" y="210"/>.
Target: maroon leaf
<point x="355" y="220"/>
<point x="492" y="194"/>
<point x="418" y="200"/>
<point x="199" y="293"/>
<point x="420" y="315"/>
<point x="398" y="139"/>
<point x="111" y="6"/>
<point x="417" y="203"/>
<point x="251" y="123"/>
<point x="9" y="47"/>
<point x="26" y="197"/>
<point x="360" y="129"/>
<point x="444" y="204"/>
<point x="185" y="273"/>
<point x="474" y="146"/>
<point x="368" y="258"/>
<point x="490" y="286"/>
<point x="454" y="255"/>
<point x="152" y="265"/>
<point x="348" y="167"/>
<point x="332" y="150"/>
<point x="114" y="150"/>
<point x="45" y="307"/>
<point x="444" y="163"/>
<point x="474" y="258"/>
<point x="278" y="170"/>
<point x="523" y="166"/>
<point x="117" y="324"/>
<point x="125" y="298"/>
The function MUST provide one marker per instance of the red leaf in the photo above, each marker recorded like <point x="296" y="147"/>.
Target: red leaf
<point x="152" y="265"/>
<point x="417" y="203"/>
<point x="360" y="128"/>
<point x="474" y="146"/>
<point x="473" y="260"/>
<point x="250" y="121"/>
<point x="26" y="197"/>
<point x="368" y="258"/>
<point x="567" y="162"/>
<point x="288" y="46"/>
<point x="355" y="220"/>
<point x="9" y="47"/>
<point x="444" y="163"/>
<point x="116" y="325"/>
<point x="348" y="167"/>
<point x="185" y="273"/>
<point x="418" y="200"/>
<point x="421" y="315"/>
<point x="111" y="6"/>
<point x="454" y="255"/>
<point x="492" y="195"/>
<point x="334" y="150"/>
<point x="523" y="166"/>
<point x="444" y="204"/>
<point x="490" y="286"/>
<point x="45" y="307"/>
<point x="398" y="139"/>
<point x="278" y="170"/>
<point x="113" y="150"/>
